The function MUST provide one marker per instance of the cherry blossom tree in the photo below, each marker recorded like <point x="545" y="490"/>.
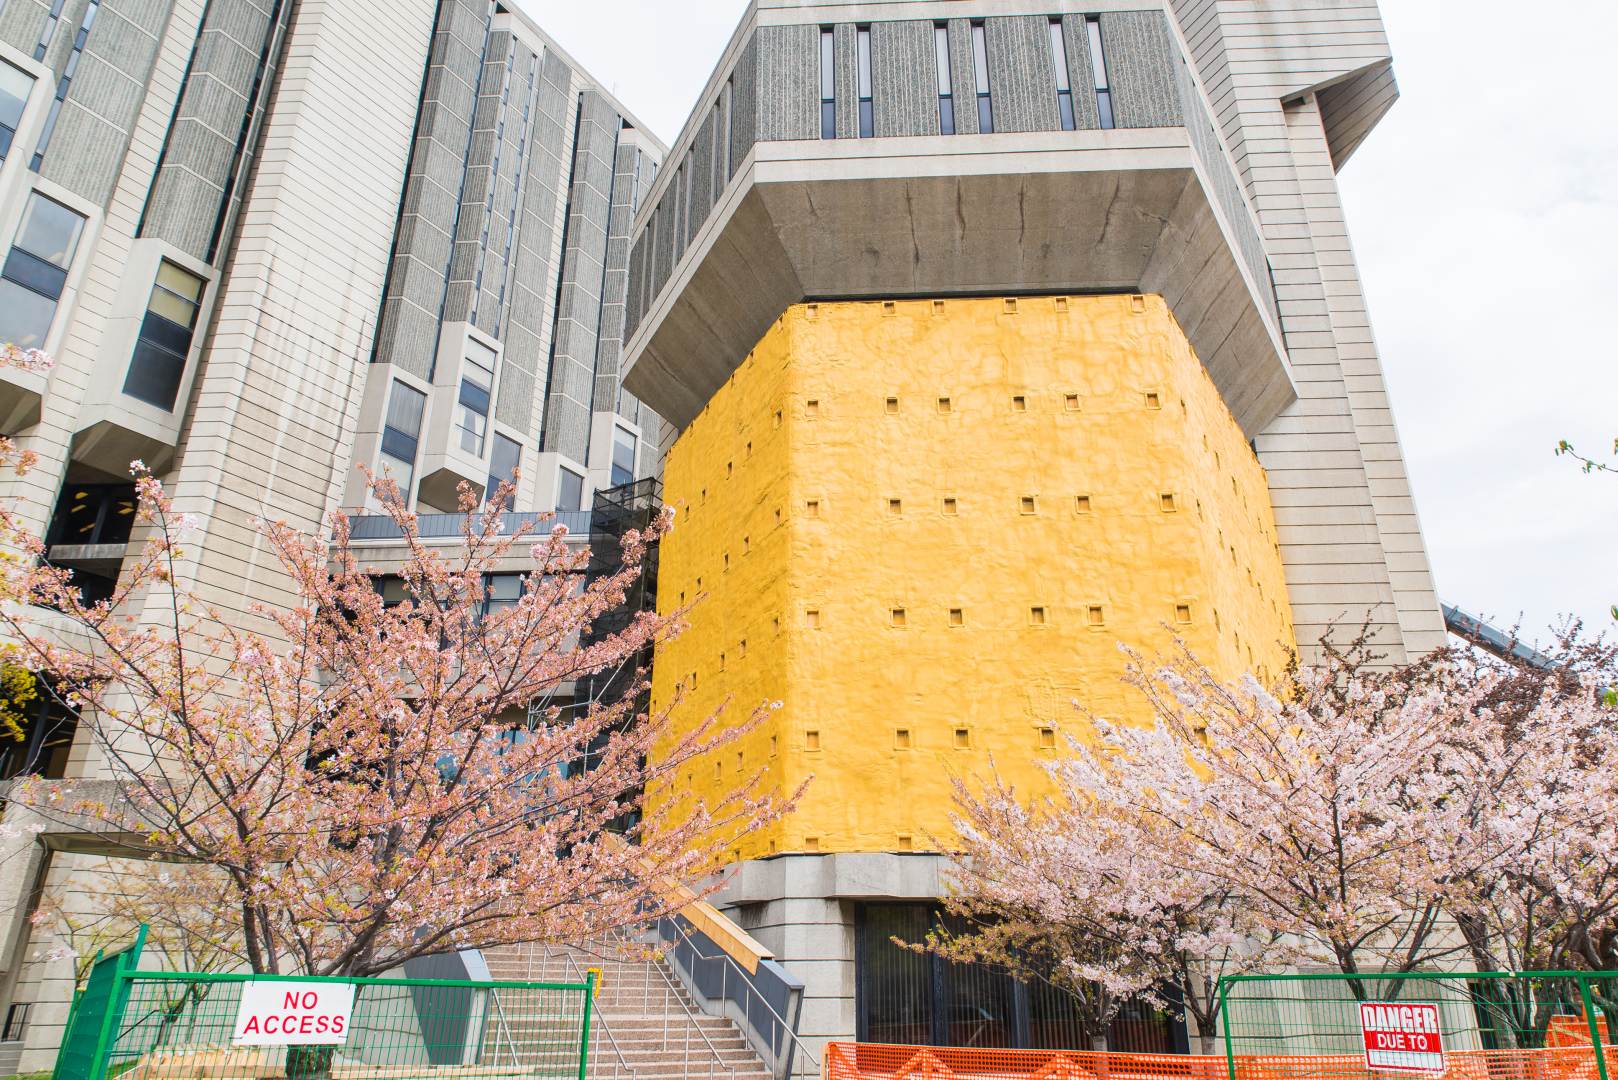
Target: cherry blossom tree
<point x="1352" y="815"/>
<point x="1073" y="890"/>
<point x="379" y="781"/>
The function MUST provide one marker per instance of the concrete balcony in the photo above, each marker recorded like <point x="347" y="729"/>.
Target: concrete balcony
<point x="22" y="393"/>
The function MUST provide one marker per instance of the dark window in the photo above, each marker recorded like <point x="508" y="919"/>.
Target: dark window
<point x="946" y="92"/>
<point x="569" y="490"/>
<point x="47" y="739"/>
<point x="500" y="591"/>
<point x="87" y="534"/>
<point x="503" y="461"/>
<point x="401" y="433"/>
<point x="67" y="74"/>
<point x="863" y="58"/>
<point x="828" y="85"/>
<point x="918" y="999"/>
<point x="93" y="514"/>
<point x="1098" y="67"/>
<point x="15" y="86"/>
<point x="35" y="270"/>
<point x="623" y="457"/>
<point x="503" y="591"/>
<point x="477" y="388"/>
<point x="17" y="1015"/>
<point x="980" y="72"/>
<point x="165" y="337"/>
<point x="1064" y="86"/>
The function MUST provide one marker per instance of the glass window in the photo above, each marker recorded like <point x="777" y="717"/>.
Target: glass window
<point x="946" y="93"/>
<point x="1098" y="68"/>
<point x="503" y="462"/>
<point x="35" y="270"/>
<point x="15" y="86"/>
<point x="393" y="590"/>
<point x="49" y="230"/>
<point x="623" y="457"/>
<point x="401" y="433"/>
<point x="863" y="57"/>
<point x="477" y="387"/>
<point x="165" y="337"/>
<point x="504" y="590"/>
<point x="828" y="85"/>
<point x="980" y="72"/>
<point x="569" y="490"/>
<point x="1064" y="87"/>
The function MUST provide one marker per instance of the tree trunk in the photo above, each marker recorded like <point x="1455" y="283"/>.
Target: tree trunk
<point x="309" y="1062"/>
<point x="1208" y="1043"/>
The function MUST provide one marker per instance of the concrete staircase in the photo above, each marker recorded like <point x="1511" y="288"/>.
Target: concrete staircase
<point x="645" y="1025"/>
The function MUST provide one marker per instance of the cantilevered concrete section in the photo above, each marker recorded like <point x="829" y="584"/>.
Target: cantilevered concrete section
<point x="1151" y="204"/>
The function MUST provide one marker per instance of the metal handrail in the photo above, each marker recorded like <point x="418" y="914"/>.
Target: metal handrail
<point x="679" y="997"/>
<point x="511" y="1044"/>
<point x="600" y="1017"/>
<point x="751" y="989"/>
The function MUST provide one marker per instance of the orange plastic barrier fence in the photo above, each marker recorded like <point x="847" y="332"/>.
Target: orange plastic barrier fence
<point x="871" y="1061"/>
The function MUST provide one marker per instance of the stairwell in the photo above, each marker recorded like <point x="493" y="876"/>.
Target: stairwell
<point x="645" y="1026"/>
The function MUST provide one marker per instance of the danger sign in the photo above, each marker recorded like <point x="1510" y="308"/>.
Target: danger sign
<point x="1403" y="1038"/>
<point x="293" y="1014"/>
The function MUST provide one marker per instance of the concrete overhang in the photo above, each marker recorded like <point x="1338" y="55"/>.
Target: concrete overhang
<point x="1041" y="213"/>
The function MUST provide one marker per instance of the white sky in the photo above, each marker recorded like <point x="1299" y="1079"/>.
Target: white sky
<point x="1484" y="212"/>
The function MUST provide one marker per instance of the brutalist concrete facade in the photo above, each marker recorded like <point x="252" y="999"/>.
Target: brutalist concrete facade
<point x="1182" y="148"/>
<point x="335" y="203"/>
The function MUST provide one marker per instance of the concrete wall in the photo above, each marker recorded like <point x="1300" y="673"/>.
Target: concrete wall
<point x="1349" y="529"/>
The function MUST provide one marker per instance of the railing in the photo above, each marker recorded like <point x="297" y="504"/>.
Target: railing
<point x="600" y="1019"/>
<point x="442" y="526"/>
<point x="716" y="980"/>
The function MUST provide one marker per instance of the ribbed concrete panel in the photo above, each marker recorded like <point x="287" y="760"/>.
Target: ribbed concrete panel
<point x="785" y="85"/>
<point x="507" y="171"/>
<point x="662" y="244"/>
<point x="1022" y="75"/>
<point x="1351" y="108"/>
<point x="513" y="403"/>
<point x="1140" y="66"/>
<point x="746" y="104"/>
<point x="532" y="275"/>
<point x="965" y="83"/>
<point x="186" y="199"/>
<point x="407" y="334"/>
<point x="904" y="78"/>
<point x="615" y="284"/>
<point x="570" y="386"/>
<point x="637" y="294"/>
<point x="1227" y="188"/>
<point x="477" y="188"/>
<point x="21" y="21"/>
<point x="1080" y="72"/>
<point x="846" y="79"/>
<point x="87" y="148"/>
<point x="702" y="177"/>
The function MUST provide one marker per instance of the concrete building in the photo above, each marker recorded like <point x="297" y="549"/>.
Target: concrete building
<point x="268" y="243"/>
<point x="971" y="338"/>
<point x="994" y="334"/>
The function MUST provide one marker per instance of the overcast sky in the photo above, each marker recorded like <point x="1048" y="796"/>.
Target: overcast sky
<point x="1484" y="212"/>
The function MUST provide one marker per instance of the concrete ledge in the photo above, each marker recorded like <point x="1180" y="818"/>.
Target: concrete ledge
<point x="1035" y="213"/>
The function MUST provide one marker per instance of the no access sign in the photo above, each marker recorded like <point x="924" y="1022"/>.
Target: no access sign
<point x="293" y="1014"/>
<point x="1402" y="1038"/>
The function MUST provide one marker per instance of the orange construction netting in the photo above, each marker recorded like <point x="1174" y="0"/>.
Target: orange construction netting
<point x="1565" y="1058"/>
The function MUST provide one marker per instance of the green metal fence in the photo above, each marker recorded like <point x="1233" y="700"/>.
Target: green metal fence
<point x="1466" y="1025"/>
<point x="177" y="1026"/>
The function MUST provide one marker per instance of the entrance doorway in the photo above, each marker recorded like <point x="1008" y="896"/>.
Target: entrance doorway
<point x="915" y="998"/>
